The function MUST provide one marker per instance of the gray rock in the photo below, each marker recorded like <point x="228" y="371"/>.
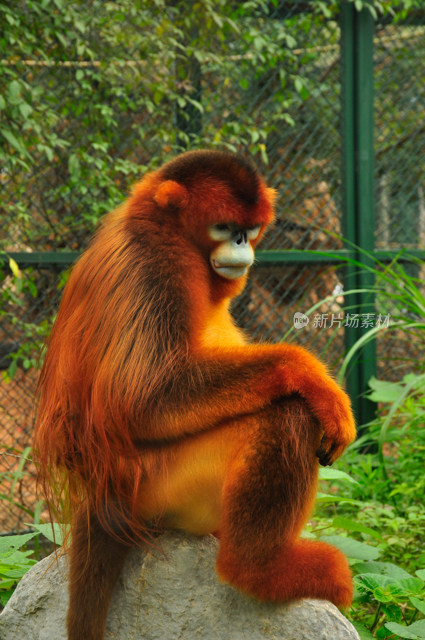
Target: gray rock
<point x="171" y="597"/>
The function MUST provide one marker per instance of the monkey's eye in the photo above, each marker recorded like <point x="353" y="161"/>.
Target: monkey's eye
<point x="220" y="231"/>
<point x="253" y="232"/>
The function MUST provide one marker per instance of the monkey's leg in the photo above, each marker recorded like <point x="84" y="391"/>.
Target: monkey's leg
<point x="96" y="560"/>
<point x="268" y="495"/>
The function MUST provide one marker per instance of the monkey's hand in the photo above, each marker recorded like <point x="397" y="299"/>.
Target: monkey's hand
<point x="305" y="375"/>
<point x="338" y="424"/>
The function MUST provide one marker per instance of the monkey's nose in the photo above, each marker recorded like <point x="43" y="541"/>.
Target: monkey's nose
<point x="241" y="238"/>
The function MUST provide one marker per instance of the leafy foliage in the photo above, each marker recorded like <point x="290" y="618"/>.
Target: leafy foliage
<point x="93" y="94"/>
<point x="14" y="563"/>
<point x="383" y="509"/>
<point x="16" y="557"/>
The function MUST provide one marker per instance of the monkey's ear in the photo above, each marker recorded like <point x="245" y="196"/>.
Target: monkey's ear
<point x="171" y="193"/>
<point x="271" y="195"/>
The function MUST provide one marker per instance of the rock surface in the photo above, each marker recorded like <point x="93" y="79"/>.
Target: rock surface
<point x="176" y="597"/>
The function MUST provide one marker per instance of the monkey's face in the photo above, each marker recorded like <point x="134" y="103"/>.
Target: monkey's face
<point x="232" y="253"/>
<point x="218" y="205"/>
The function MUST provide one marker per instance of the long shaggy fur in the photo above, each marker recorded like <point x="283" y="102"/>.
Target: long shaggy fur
<point x="154" y="411"/>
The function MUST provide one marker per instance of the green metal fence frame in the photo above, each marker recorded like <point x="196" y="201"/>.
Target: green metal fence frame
<point x="357" y="174"/>
<point x="358" y="222"/>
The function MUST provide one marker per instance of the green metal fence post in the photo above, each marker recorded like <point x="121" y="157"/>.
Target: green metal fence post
<point x="365" y="196"/>
<point x="348" y="170"/>
<point x="357" y="29"/>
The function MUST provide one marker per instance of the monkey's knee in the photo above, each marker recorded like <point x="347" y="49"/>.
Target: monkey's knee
<point x="270" y="488"/>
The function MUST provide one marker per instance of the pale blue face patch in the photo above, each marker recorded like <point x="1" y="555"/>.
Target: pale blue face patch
<point x="234" y="255"/>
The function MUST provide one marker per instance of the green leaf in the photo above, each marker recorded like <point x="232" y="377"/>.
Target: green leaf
<point x="418" y="604"/>
<point x="383" y="568"/>
<point x="290" y="41"/>
<point x="157" y="96"/>
<point x="351" y="525"/>
<point x="364" y="633"/>
<point x="383" y="595"/>
<point x="13" y="265"/>
<point x="415" y="631"/>
<point x="49" y="153"/>
<point x="25" y="110"/>
<point x="6" y="584"/>
<point x="18" y="474"/>
<point x="14" y="142"/>
<point x="18" y="285"/>
<point x="401" y="631"/>
<point x="373" y="581"/>
<point x="353" y="548"/>
<point x="32" y="288"/>
<point x="8" y="543"/>
<point x="384" y="391"/>
<point x="14" y="91"/>
<point x="12" y="369"/>
<point x="420" y="573"/>
<point x="18" y="573"/>
<point x="16" y="556"/>
<point x="299" y="84"/>
<point x="386" y="589"/>
<point x="258" y="43"/>
<point x="53" y="532"/>
<point x="414" y="378"/>
<point x="326" y="473"/>
<point x="327" y="497"/>
<point x="411" y="585"/>
<point x="74" y="165"/>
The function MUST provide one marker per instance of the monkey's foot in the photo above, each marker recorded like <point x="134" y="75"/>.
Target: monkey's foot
<point x="305" y="569"/>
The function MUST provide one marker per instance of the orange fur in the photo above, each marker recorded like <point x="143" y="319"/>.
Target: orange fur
<point x="171" y="193"/>
<point x="154" y="411"/>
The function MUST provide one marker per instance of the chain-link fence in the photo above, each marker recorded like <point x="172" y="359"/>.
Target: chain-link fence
<point x="399" y="67"/>
<point x="94" y="94"/>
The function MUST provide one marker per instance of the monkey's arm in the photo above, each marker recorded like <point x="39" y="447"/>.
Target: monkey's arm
<point x="222" y="384"/>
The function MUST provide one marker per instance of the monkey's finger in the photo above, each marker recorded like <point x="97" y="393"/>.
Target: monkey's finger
<point x="324" y="458"/>
<point x="323" y="454"/>
<point x="324" y="446"/>
<point x="327" y="452"/>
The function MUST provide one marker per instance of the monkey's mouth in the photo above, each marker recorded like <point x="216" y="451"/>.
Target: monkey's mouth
<point x="229" y="271"/>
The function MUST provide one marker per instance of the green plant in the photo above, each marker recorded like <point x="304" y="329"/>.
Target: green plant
<point x="387" y="497"/>
<point x="403" y="417"/>
<point x="94" y="94"/>
<point x="14" y="562"/>
<point x="10" y="478"/>
<point x="378" y="541"/>
<point x="17" y="290"/>
<point x="16" y="558"/>
<point x="397" y="598"/>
